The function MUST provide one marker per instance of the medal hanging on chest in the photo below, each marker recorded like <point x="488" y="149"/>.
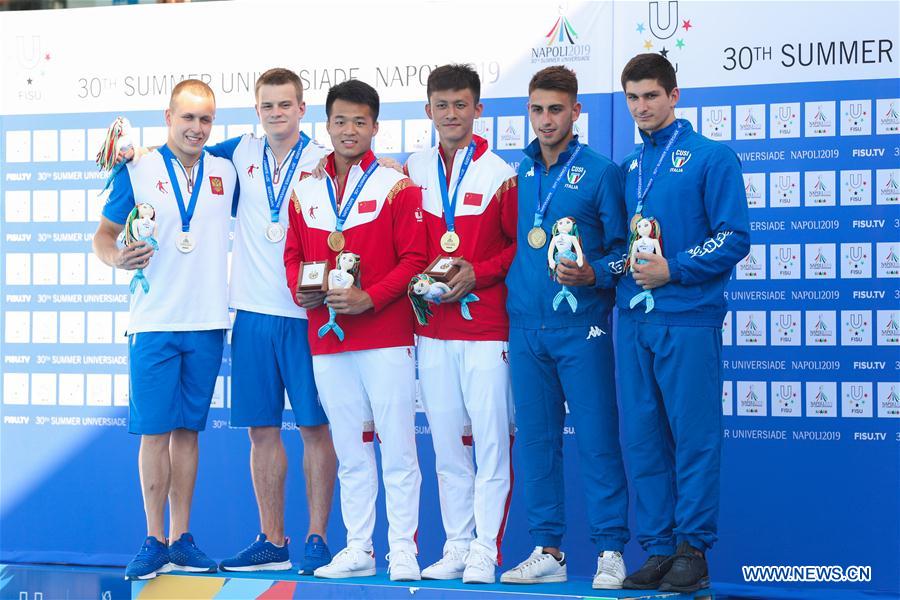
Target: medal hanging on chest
<point x="450" y="239"/>
<point x="537" y="237"/>
<point x="274" y="229"/>
<point x="185" y="241"/>
<point x="336" y="241"/>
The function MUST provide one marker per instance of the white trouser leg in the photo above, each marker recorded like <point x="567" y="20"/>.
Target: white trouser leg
<point x="488" y="399"/>
<point x="340" y="386"/>
<point x="451" y="434"/>
<point x="389" y="378"/>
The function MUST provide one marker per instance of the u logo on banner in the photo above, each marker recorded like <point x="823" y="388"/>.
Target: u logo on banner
<point x="856" y="253"/>
<point x="856" y="110"/>
<point x="784" y="113"/>
<point x="855" y="180"/>
<point x="785" y="392"/>
<point x="29" y="58"/>
<point x="784" y="255"/>
<point x="716" y="116"/>
<point x="784" y="182"/>
<point x="856" y="321"/>
<point x="856" y="392"/>
<point x="671" y="24"/>
<point x="784" y="321"/>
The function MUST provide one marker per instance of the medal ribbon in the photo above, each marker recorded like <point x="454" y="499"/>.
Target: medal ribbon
<point x="641" y="190"/>
<point x="348" y="205"/>
<point x="186" y="213"/>
<point x="276" y="202"/>
<point x="450" y="205"/>
<point x="541" y="209"/>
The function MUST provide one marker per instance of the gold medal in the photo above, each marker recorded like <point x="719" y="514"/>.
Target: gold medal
<point x="450" y="241"/>
<point x="336" y="241"/>
<point x="537" y="237"/>
<point x="635" y="220"/>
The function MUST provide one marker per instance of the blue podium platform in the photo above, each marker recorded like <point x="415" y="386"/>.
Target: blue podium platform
<point x="46" y="582"/>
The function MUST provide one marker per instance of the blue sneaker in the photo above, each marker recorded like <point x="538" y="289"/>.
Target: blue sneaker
<point x="152" y="559"/>
<point x="186" y="556"/>
<point x="261" y="555"/>
<point x="315" y="555"/>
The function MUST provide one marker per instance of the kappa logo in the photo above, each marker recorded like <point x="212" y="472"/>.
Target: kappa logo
<point x="575" y="174"/>
<point x="530" y="172"/>
<point x="161" y="186"/>
<point x="594" y="332"/>
<point x="632" y="166"/>
<point x="680" y="158"/>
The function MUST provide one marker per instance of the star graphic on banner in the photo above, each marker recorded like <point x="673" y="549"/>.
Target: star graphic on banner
<point x="664" y="52"/>
<point x="679" y="44"/>
<point x="28" y="80"/>
<point x="686" y="24"/>
<point x="648" y="44"/>
<point x="47" y="56"/>
<point x="640" y="28"/>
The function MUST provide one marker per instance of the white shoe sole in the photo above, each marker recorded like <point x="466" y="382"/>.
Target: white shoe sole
<point x="344" y="574"/>
<point x="479" y="580"/>
<point x="406" y="577"/>
<point x="606" y="586"/>
<point x="152" y="575"/>
<point x="190" y="569"/>
<point x="273" y="566"/>
<point x="441" y="576"/>
<point x="530" y="580"/>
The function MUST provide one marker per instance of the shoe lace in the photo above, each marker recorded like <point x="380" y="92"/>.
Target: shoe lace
<point x="533" y="560"/>
<point x="608" y="561"/>
<point x="453" y="554"/>
<point x="680" y="561"/>
<point x="479" y="559"/>
<point x="401" y="556"/>
<point x="346" y="555"/>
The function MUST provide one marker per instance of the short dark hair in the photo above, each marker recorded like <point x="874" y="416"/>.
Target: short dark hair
<point x="355" y="91"/>
<point x="559" y="78"/>
<point x="650" y="66"/>
<point x="279" y="76"/>
<point x="454" y="77"/>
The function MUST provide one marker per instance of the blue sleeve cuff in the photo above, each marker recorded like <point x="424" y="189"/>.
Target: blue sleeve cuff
<point x="674" y="270"/>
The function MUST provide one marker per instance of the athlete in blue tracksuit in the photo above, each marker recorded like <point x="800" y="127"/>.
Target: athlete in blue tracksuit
<point x="669" y="356"/>
<point x="565" y="355"/>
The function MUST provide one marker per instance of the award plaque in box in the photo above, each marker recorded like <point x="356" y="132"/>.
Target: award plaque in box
<point x="313" y="277"/>
<point x="442" y="269"/>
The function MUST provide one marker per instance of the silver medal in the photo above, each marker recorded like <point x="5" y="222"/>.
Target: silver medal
<point x="185" y="242"/>
<point x="274" y="232"/>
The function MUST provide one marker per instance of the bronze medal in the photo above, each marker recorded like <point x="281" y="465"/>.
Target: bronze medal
<point x="537" y="237"/>
<point x="450" y="241"/>
<point x="336" y="241"/>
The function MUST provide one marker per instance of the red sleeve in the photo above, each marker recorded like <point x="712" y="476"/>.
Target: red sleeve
<point x="493" y="269"/>
<point x="293" y="248"/>
<point x="405" y="204"/>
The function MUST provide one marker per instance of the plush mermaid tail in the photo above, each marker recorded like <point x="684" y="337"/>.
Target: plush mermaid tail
<point x="139" y="278"/>
<point x="112" y="175"/>
<point x="152" y="241"/>
<point x="332" y="325"/>
<point x="464" y="306"/>
<point x="565" y="293"/>
<point x="640" y="297"/>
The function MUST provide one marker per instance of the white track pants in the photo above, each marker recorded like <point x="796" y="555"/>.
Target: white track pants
<point x="363" y="393"/>
<point x="466" y="394"/>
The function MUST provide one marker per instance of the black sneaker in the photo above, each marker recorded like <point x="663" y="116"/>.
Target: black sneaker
<point x="688" y="572"/>
<point x="649" y="575"/>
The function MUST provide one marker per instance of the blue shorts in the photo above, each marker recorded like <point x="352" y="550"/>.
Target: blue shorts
<point x="270" y="354"/>
<point x="172" y="375"/>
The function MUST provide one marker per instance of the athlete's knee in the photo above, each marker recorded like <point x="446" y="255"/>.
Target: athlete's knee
<point x="156" y="441"/>
<point x="265" y="437"/>
<point x="316" y="435"/>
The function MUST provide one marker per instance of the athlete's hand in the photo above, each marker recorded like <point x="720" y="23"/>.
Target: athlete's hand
<point x="135" y="256"/>
<point x="568" y="273"/>
<point x="319" y="171"/>
<point x="310" y="300"/>
<point x="349" y="301"/>
<point x="390" y="163"/>
<point x="124" y="155"/>
<point x="462" y="283"/>
<point x="652" y="274"/>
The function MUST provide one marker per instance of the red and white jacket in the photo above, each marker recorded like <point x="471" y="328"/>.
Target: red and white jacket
<point x="385" y="228"/>
<point x="485" y="221"/>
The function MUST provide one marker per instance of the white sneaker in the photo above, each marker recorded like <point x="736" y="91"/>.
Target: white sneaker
<point x="537" y="568"/>
<point x="451" y="566"/>
<point x="479" y="568"/>
<point x="349" y="562"/>
<point x="610" y="571"/>
<point x="403" y="566"/>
